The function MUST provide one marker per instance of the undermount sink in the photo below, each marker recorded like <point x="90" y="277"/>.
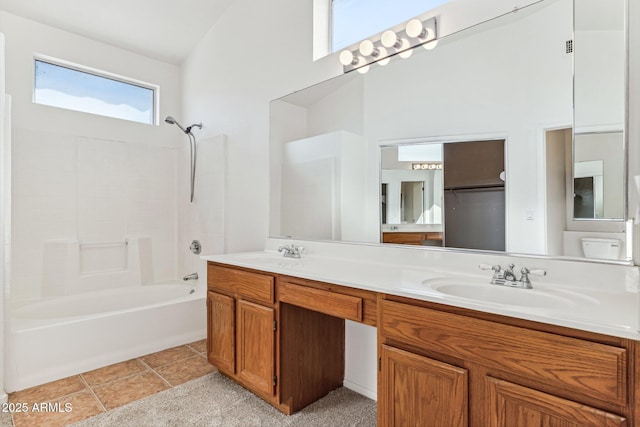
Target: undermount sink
<point x="499" y="294"/>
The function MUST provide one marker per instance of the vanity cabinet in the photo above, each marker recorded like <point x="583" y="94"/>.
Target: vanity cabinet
<point x="496" y="372"/>
<point x="221" y="321"/>
<point x="256" y="346"/>
<point x="281" y="337"/>
<point x="514" y="405"/>
<point x="241" y="335"/>
<point x="414" y="387"/>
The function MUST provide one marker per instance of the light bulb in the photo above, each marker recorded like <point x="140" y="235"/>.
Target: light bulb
<point x="346" y="58"/>
<point x="364" y="69"/>
<point x="414" y="28"/>
<point x="406" y="52"/>
<point x="429" y="34"/>
<point x="367" y="48"/>
<point x="389" y="39"/>
<point x="382" y="53"/>
<point x="430" y="45"/>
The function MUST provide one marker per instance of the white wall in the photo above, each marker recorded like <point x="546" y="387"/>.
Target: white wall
<point x="83" y="176"/>
<point x="5" y="182"/>
<point x="557" y="143"/>
<point x="204" y="219"/>
<point x="229" y="80"/>
<point x="633" y="117"/>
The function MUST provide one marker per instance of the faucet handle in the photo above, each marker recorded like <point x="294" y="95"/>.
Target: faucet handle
<point x="535" y="271"/>
<point x="495" y="268"/>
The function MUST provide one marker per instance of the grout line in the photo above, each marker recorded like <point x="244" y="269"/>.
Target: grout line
<point x="195" y="353"/>
<point x="93" y="394"/>
<point x="160" y="376"/>
<point x="144" y="366"/>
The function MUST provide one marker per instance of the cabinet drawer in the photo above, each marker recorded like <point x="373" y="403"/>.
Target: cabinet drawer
<point x="258" y="287"/>
<point x="327" y="302"/>
<point x="577" y="366"/>
<point x="403" y="238"/>
<point x="433" y="236"/>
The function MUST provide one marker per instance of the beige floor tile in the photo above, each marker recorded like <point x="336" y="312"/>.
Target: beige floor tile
<point x="49" y="391"/>
<point x="168" y="356"/>
<point x="185" y="370"/>
<point x="113" y="372"/>
<point x="126" y="390"/>
<point x="61" y="412"/>
<point x="199" y="346"/>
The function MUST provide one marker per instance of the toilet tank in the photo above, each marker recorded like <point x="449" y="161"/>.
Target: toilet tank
<point x="601" y="248"/>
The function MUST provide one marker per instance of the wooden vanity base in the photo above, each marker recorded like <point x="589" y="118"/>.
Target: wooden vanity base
<point x="283" y="338"/>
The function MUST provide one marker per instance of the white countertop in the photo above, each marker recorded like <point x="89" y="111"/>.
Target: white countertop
<point x="596" y="307"/>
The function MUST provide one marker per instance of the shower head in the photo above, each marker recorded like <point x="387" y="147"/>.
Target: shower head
<point x="173" y="121"/>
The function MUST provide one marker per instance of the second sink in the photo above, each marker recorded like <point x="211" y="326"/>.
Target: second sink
<point x="499" y="294"/>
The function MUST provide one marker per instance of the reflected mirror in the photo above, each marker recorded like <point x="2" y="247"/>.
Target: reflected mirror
<point x="337" y="170"/>
<point x="450" y="195"/>
<point x="599" y="91"/>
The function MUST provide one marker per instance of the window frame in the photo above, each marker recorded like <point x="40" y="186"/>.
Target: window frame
<point x="97" y="73"/>
<point x="329" y="23"/>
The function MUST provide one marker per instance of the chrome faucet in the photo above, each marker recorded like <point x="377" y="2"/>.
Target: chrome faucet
<point x="508" y="277"/>
<point x="192" y="276"/>
<point x="290" y="251"/>
<point x="509" y="274"/>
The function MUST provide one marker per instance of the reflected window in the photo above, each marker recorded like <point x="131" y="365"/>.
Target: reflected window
<point x="78" y="89"/>
<point x="355" y="20"/>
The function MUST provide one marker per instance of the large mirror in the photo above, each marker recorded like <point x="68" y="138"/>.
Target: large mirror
<point x="349" y="155"/>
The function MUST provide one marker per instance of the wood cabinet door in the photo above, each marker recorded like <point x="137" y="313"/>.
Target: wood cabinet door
<point x="418" y="391"/>
<point x="256" y="345"/>
<point x="221" y="331"/>
<point x="514" y="405"/>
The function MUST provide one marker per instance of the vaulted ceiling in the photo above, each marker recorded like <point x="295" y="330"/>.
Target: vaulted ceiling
<point x="161" y="29"/>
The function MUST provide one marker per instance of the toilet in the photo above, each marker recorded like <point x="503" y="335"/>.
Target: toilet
<point x="601" y="248"/>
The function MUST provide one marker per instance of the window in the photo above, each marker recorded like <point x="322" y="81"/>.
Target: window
<point x="355" y="20"/>
<point x="81" y="89"/>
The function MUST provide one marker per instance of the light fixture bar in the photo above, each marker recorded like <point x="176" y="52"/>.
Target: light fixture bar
<point x="390" y="43"/>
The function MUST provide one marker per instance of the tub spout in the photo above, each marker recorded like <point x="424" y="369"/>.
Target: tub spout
<point x="192" y="276"/>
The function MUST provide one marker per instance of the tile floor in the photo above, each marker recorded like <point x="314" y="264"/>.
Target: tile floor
<point x="82" y="396"/>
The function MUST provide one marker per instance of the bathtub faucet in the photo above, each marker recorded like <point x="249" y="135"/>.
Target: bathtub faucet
<point x="192" y="276"/>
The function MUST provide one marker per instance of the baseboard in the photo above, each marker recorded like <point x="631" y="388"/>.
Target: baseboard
<point x="371" y="394"/>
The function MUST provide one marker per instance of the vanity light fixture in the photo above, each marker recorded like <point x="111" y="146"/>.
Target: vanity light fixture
<point x="348" y="58"/>
<point x="416" y="32"/>
<point x="427" y="166"/>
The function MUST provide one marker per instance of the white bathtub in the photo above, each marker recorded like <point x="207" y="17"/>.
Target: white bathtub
<point x="63" y="336"/>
